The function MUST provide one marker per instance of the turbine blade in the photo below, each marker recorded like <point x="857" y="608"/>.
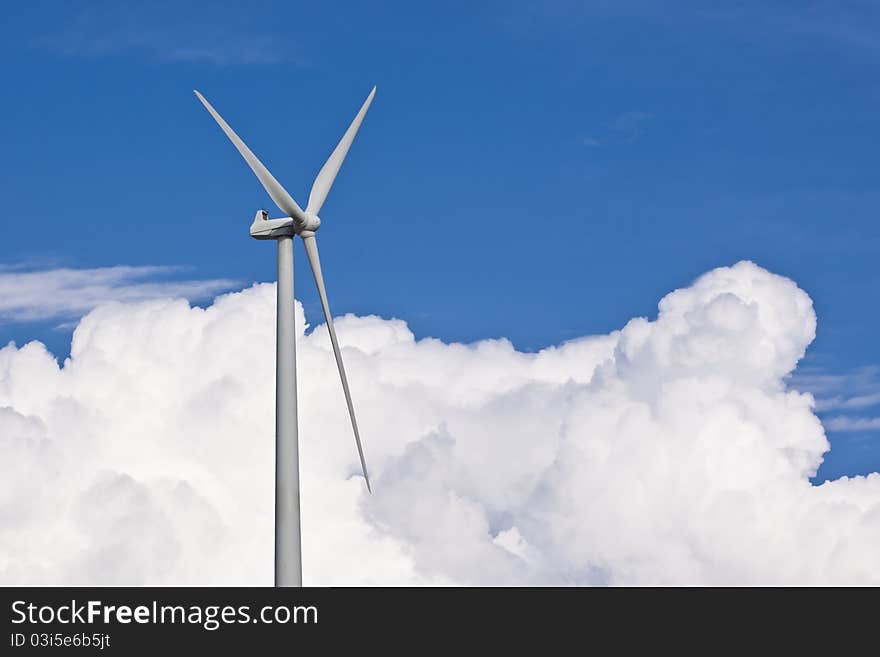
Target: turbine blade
<point x="282" y="199"/>
<point x="315" y="262"/>
<point x="327" y="174"/>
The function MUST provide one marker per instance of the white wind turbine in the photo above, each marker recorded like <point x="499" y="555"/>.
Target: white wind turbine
<point x="288" y="558"/>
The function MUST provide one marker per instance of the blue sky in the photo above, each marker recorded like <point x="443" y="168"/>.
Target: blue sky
<point x="538" y="171"/>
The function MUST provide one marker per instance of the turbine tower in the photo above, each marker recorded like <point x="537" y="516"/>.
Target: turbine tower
<point x="288" y="557"/>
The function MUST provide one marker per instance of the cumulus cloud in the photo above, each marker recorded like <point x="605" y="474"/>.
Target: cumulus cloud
<point x="64" y="293"/>
<point x="671" y="451"/>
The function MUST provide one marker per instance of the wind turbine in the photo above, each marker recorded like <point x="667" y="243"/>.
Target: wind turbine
<point x="288" y="556"/>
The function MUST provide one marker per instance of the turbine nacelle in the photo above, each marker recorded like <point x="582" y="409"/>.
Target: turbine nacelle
<point x="264" y="228"/>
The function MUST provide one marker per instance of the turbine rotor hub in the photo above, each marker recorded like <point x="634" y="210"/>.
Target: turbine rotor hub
<point x="311" y="224"/>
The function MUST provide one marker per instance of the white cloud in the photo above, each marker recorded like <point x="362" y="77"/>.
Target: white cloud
<point x="164" y="32"/>
<point x="668" y="452"/>
<point x="65" y="293"/>
<point x="855" y="402"/>
<point x="854" y="391"/>
<point x="624" y="128"/>
<point x="847" y="423"/>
